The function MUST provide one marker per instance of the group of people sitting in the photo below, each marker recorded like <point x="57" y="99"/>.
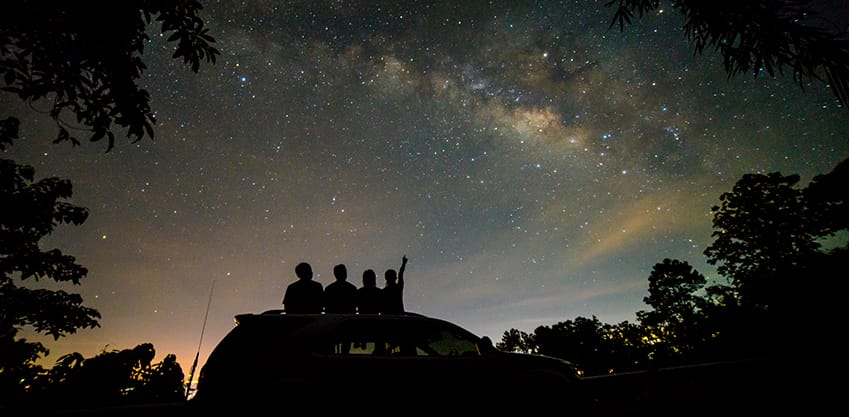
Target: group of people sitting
<point x="306" y="296"/>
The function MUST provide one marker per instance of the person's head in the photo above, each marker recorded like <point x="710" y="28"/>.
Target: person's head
<point x="390" y="276"/>
<point x="340" y="272"/>
<point x="369" y="278"/>
<point x="303" y="271"/>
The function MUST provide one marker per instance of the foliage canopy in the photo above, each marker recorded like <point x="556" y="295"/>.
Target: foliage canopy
<point x="84" y="60"/>
<point x="756" y="36"/>
<point x="29" y="211"/>
<point x="784" y="294"/>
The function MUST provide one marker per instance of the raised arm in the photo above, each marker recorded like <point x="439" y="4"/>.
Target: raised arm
<point x="401" y="271"/>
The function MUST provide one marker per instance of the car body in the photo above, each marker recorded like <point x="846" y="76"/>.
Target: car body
<point x="373" y="364"/>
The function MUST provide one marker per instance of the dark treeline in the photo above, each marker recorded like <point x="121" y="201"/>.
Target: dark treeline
<point x="111" y="378"/>
<point x="31" y="209"/>
<point x="782" y="252"/>
<point x="83" y="63"/>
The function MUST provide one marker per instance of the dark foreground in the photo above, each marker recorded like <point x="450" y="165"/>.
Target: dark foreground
<point x="810" y="385"/>
<point x="774" y="386"/>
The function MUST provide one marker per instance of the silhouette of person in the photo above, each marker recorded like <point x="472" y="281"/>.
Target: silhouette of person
<point x="303" y="295"/>
<point x="340" y="295"/>
<point x="369" y="295"/>
<point x="393" y="289"/>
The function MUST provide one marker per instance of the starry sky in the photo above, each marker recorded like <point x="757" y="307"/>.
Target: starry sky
<point x="531" y="162"/>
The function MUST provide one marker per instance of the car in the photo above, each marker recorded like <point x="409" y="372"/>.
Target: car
<point x="374" y="364"/>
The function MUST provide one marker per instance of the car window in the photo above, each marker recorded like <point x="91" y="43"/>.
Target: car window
<point x="389" y="337"/>
<point x="445" y="342"/>
<point x="374" y="343"/>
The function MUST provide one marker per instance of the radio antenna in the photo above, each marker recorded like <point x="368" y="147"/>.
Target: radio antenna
<point x="195" y="363"/>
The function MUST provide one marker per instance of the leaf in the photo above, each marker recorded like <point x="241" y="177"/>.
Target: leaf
<point x="63" y="135"/>
<point x="98" y="135"/>
<point x="148" y="128"/>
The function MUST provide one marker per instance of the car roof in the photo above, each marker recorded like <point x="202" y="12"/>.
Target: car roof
<point x="276" y="323"/>
<point x="277" y="330"/>
<point x="328" y="317"/>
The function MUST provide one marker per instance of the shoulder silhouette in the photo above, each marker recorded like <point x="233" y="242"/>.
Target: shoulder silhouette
<point x="340" y="295"/>
<point x="369" y="295"/>
<point x="393" y="290"/>
<point x="303" y="295"/>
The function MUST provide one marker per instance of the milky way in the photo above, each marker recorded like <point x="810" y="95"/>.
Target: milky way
<point x="532" y="163"/>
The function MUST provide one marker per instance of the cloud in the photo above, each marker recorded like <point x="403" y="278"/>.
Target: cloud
<point x="627" y="225"/>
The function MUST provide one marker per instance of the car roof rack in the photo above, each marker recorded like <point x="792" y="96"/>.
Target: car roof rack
<point x="279" y="312"/>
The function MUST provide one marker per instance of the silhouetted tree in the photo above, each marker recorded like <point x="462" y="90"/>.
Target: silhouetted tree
<point x="29" y="211"/>
<point x="754" y="36"/>
<point x="164" y="382"/>
<point x="726" y="333"/>
<point x="592" y="346"/>
<point x="514" y="340"/>
<point x="783" y="293"/>
<point x="768" y="245"/>
<point x="117" y="377"/>
<point x="821" y="303"/>
<point x="677" y="313"/>
<point x="762" y="238"/>
<point x="827" y="196"/>
<point x="631" y="346"/>
<point x="83" y="60"/>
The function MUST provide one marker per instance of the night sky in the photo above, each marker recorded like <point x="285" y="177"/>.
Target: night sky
<point x="532" y="163"/>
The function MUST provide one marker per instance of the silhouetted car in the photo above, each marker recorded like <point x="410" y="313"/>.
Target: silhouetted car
<point x="363" y="364"/>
